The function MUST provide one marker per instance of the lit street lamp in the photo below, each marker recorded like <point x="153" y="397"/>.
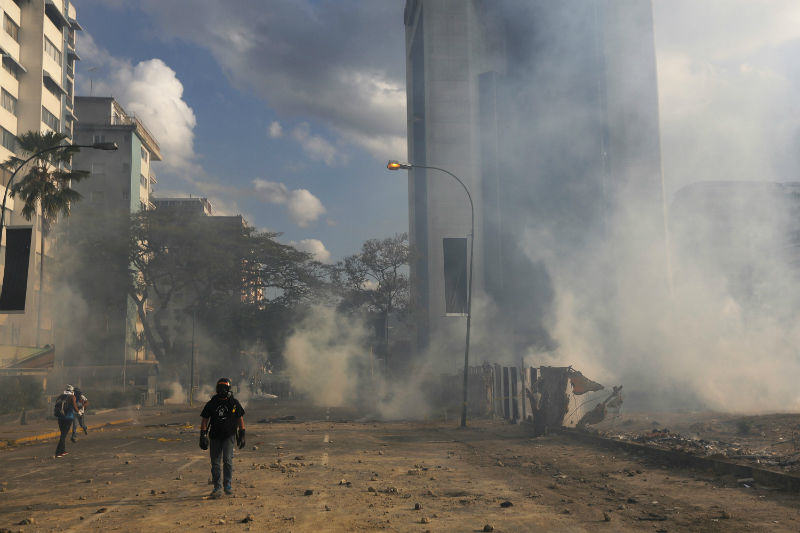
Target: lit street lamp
<point x="396" y="165"/>
<point x="96" y="146"/>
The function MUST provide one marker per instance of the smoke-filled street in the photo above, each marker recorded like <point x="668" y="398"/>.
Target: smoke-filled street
<point x="324" y="472"/>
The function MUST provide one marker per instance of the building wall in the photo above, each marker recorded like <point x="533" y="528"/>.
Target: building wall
<point x="548" y="112"/>
<point x="21" y="76"/>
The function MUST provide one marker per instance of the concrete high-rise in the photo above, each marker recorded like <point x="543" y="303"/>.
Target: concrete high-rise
<point x="119" y="185"/>
<point x="37" y="43"/>
<point x="548" y="111"/>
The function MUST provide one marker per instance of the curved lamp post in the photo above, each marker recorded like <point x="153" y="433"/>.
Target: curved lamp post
<point x="396" y="165"/>
<point x="96" y="146"/>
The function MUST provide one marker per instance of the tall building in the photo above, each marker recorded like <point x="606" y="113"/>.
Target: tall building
<point x="548" y="111"/>
<point x="119" y="185"/>
<point x="37" y="43"/>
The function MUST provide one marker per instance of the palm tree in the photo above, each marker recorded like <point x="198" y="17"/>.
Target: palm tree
<point x="47" y="185"/>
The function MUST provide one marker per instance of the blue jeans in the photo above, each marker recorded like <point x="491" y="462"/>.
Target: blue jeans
<point x="222" y="449"/>
<point x="77" y="420"/>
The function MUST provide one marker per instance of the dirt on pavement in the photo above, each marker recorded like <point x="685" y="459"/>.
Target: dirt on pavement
<point x="325" y="472"/>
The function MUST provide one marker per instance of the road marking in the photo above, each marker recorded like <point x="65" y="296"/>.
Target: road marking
<point x="191" y="462"/>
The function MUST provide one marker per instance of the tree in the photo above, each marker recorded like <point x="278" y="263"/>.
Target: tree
<point x="46" y="185"/>
<point x="376" y="280"/>
<point x="239" y="284"/>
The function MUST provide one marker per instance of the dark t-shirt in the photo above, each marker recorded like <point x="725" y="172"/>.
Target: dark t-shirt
<point x="224" y="414"/>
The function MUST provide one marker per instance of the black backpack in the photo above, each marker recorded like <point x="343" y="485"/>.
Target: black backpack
<point x="60" y="407"/>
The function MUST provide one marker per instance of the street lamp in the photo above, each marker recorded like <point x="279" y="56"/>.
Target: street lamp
<point x="96" y="146"/>
<point x="396" y="165"/>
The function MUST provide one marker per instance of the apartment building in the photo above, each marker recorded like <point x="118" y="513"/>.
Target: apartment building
<point x="37" y="43"/>
<point x="120" y="184"/>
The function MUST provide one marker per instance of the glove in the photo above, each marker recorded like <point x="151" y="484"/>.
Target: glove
<point x="240" y="438"/>
<point x="203" y="439"/>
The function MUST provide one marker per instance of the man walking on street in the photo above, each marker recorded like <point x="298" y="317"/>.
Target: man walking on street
<point x="64" y="410"/>
<point x="82" y="402"/>
<point x="223" y="422"/>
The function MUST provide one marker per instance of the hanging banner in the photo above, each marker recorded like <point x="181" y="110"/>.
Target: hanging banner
<point x="455" y="275"/>
<point x="15" y="274"/>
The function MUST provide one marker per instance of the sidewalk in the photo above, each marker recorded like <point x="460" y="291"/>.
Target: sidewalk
<point x="12" y="433"/>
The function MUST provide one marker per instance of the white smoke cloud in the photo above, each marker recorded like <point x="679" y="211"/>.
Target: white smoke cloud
<point x="152" y="92"/>
<point x="304" y="208"/>
<point x="315" y="247"/>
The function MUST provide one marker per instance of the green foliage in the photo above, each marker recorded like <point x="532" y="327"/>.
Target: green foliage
<point x="17" y="392"/>
<point x="46" y="182"/>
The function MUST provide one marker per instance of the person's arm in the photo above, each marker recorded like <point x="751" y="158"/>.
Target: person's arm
<point x="74" y="403"/>
<point x="204" y="424"/>
<point x="85" y="402"/>
<point x="241" y="422"/>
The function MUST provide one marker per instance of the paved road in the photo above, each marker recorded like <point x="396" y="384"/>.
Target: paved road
<point x="368" y="476"/>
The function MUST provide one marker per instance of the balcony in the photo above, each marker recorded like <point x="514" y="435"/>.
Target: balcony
<point x="153" y="180"/>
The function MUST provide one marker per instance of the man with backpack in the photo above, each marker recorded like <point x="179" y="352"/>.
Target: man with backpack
<point x="82" y="402"/>
<point x="223" y="422"/>
<point x="64" y="410"/>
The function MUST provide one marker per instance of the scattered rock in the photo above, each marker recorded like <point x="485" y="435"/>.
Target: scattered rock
<point x="371" y="489"/>
<point x="299" y="458"/>
<point x="499" y="463"/>
<point x="345" y="483"/>
<point x="179" y="477"/>
<point x="247" y="519"/>
<point x="152" y="491"/>
<point x="488" y="527"/>
<point x="255" y="448"/>
<point x="221" y="522"/>
<point x="90" y="480"/>
<point x="425" y="520"/>
<point x="108" y="483"/>
<point x="27" y="521"/>
<point x="308" y="492"/>
<point x="725" y="515"/>
<point x="101" y="510"/>
<point x="606" y="516"/>
<point x="327" y="508"/>
<point x="380" y="452"/>
<point x="632" y="500"/>
<point x="417" y="506"/>
<point x="506" y="504"/>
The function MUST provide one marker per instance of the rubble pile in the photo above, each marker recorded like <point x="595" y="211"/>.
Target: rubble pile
<point x="783" y="455"/>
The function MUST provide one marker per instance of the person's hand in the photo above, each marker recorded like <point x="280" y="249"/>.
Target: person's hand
<point x="240" y="438"/>
<point x="204" y="439"/>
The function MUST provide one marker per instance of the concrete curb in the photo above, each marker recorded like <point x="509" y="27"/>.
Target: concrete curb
<point x="770" y="478"/>
<point x="57" y="434"/>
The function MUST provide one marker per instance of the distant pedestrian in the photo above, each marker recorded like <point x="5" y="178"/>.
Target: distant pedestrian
<point x="222" y="424"/>
<point x="64" y="409"/>
<point x="82" y="402"/>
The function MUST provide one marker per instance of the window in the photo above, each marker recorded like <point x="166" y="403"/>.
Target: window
<point x="145" y="154"/>
<point x="9" y="102"/>
<point x="125" y="195"/>
<point x="10" y="69"/>
<point x="50" y="119"/>
<point x="51" y="50"/>
<point x="11" y="27"/>
<point x="98" y="139"/>
<point x="9" y="140"/>
<point x="142" y="181"/>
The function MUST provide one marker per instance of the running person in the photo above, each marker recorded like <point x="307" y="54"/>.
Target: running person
<point x="82" y="402"/>
<point x="222" y="416"/>
<point x="64" y="410"/>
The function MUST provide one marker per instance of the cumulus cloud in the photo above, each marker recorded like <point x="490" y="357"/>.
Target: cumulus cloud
<point x="351" y="77"/>
<point x="316" y="147"/>
<point x="275" y="130"/>
<point x="304" y="208"/>
<point x="315" y="247"/>
<point x="152" y="92"/>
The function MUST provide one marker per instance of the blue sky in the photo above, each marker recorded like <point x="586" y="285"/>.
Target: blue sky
<point x="231" y="142"/>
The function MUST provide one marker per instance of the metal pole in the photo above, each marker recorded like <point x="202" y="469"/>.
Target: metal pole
<point x="469" y="286"/>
